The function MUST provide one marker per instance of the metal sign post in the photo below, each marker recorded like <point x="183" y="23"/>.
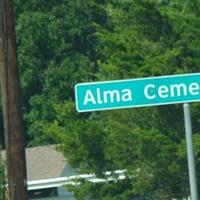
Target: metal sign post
<point x="190" y="152"/>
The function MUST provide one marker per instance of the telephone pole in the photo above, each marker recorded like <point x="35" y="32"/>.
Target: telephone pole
<point x="12" y="113"/>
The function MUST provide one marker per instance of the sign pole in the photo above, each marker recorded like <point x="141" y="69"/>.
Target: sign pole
<point x="11" y="102"/>
<point x="190" y="152"/>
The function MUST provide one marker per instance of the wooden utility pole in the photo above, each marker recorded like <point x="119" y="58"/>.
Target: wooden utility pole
<point x="12" y="113"/>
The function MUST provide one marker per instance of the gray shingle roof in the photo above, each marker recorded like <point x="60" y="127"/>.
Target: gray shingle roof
<point x="44" y="162"/>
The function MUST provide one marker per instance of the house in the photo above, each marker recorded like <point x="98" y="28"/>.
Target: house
<point x="45" y="165"/>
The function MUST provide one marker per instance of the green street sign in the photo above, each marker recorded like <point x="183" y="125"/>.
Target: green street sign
<point x="137" y="92"/>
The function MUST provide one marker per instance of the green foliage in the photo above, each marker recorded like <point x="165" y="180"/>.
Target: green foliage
<point x="56" y="49"/>
<point x="113" y="140"/>
<point x="2" y="179"/>
<point x="144" y="38"/>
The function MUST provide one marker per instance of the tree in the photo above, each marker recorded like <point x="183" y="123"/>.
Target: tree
<point x="56" y="48"/>
<point x="144" y="38"/>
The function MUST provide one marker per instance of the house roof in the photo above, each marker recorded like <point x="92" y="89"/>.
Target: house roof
<point x="44" y="162"/>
